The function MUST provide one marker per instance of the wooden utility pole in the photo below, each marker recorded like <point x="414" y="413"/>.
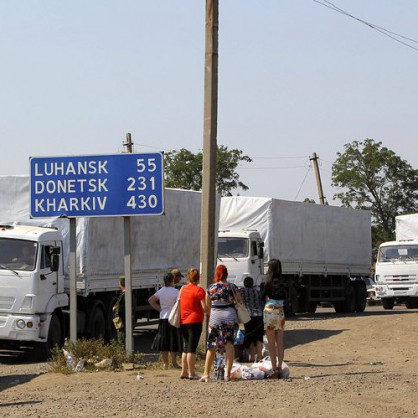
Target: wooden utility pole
<point x="208" y="228"/>
<point x="314" y="158"/>
<point x="128" y="270"/>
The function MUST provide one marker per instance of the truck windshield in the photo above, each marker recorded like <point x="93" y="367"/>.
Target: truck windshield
<point x="232" y="247"/>
<point x="17" y="254"/>
<point x="398" y="252"/>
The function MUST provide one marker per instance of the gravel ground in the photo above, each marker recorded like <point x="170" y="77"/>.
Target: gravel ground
<point x="341" y="365"/>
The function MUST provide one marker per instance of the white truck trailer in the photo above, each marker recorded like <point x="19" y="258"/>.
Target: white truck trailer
<point x="34" y="293"/>
<point x="325" y="251"/>
<point x="397" y="265"/>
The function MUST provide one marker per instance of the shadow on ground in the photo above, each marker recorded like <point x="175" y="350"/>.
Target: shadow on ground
<point x="7" y="382"/>
<point x="296" y="337"/>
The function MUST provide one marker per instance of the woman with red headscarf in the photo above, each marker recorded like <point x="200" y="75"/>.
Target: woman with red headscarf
<point x="223" y="321"/>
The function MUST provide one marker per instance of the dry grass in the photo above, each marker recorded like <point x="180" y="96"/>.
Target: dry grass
<point x="91" y="352"/>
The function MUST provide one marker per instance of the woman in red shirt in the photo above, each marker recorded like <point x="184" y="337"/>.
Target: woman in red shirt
<point x="192" y="309"/>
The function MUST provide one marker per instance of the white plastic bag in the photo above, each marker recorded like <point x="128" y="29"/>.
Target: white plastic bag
<point x="236" y="371"/>
<point x="263" y="365"/>
<point x="285" y="370"/>
<point x="250" y="373"/>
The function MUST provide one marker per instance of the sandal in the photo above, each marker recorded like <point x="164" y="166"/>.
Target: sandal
<point x="204" y="379"/>
<point x="193" y="377"/>
<point x="184" y="377"/>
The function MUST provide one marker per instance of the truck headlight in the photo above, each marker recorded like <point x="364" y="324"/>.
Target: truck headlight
<point x="20" y="323"/>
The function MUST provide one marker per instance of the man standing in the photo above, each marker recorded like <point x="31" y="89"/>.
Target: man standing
<point x="177" y="277"/>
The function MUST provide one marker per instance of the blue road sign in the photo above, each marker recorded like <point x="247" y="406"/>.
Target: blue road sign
<point x="99" y="185"/>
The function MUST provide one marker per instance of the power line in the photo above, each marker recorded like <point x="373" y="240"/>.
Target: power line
<point x="271" y="168"/>
<point x="303" y="182"/>
<point x="393" y="35"/>
<point x="280" y="158"/>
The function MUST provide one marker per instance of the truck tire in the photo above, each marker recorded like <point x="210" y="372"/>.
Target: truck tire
<point x="361" y="297"/>
<point x="97" y="327"/>
<point x="411" y="303"/>
<point x="311" y="307"/>
<point x="349" y="302"/>
<point x="388" y="303"/>
<point x="55" y="338"/>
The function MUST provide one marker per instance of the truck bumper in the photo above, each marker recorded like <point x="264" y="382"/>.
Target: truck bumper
<point x="397" y="291"/>
<point x="20" y="327"/>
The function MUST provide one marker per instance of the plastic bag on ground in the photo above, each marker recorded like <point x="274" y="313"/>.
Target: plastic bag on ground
<point x="285" y="370"/>
<point x="263" y="365"/>
<point x="249" y="373"/>
<point x="236" y="371"/>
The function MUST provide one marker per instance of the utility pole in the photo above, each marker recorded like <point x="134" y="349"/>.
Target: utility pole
<point x="128" y="269"/>
<point x="208" y="213"/>
<point x="314" y="157"/>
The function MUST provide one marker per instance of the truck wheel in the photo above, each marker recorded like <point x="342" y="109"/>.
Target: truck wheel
<point x="55" y="339"/>
<point x="350" y="299"/>
<point x="97" y="326"/>
<point x="388" y="303"/>
<point x="311" y="307"/>
<point x="411" y="303"/>
<point x="361" y="297"/>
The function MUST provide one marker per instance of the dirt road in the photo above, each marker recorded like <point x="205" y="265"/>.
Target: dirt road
<point x="341" y="366"/>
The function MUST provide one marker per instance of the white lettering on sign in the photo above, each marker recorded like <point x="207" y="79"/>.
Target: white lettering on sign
<point x="70" y="186"/>
<point x="55" y="168"/>
<point x="71" y="204"/>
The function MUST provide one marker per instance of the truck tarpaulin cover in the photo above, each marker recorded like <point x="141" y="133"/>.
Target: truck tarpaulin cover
<point x="407" y="227"/>
<point x="323" y="236"/>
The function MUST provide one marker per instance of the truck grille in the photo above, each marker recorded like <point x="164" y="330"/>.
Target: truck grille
<point x="6" y="303"/>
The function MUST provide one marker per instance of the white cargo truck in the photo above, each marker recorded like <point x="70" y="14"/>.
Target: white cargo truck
<point x="324" y="250"/>
<point x="397" y="265"/>
<point x="34" y="257"/>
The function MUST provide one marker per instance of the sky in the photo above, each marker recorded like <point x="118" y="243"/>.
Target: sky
<point x="295" y="77"/>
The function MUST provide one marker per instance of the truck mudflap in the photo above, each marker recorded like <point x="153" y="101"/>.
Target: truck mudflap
<point x="20" y="327"/>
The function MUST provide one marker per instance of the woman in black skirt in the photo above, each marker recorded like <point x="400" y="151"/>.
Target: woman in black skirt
<point x="254" y="330"/>
<point x="167" y="339"/>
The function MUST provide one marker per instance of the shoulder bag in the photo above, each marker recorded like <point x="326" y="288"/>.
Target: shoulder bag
<point x="242" y="312"/>
<point x="174" y="317"/>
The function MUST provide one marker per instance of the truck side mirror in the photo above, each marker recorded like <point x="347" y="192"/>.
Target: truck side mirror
<point x="55" y="262"/>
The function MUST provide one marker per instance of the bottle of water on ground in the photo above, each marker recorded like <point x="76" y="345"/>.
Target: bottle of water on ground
<point x="69" y="358"/>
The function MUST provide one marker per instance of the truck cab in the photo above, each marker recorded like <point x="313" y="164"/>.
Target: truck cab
<point x="397" y="273"/>
<point x="242" y="253"/>
<point x="31" y="285"/>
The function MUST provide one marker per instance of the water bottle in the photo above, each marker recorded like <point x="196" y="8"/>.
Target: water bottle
<point x="219" y="367"/>
<point x="80" y="366"/>
<point x="69" y="358"/>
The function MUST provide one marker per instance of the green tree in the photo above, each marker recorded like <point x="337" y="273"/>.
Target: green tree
<point x="375" y="178"/>
<point x="183" y="170"/>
